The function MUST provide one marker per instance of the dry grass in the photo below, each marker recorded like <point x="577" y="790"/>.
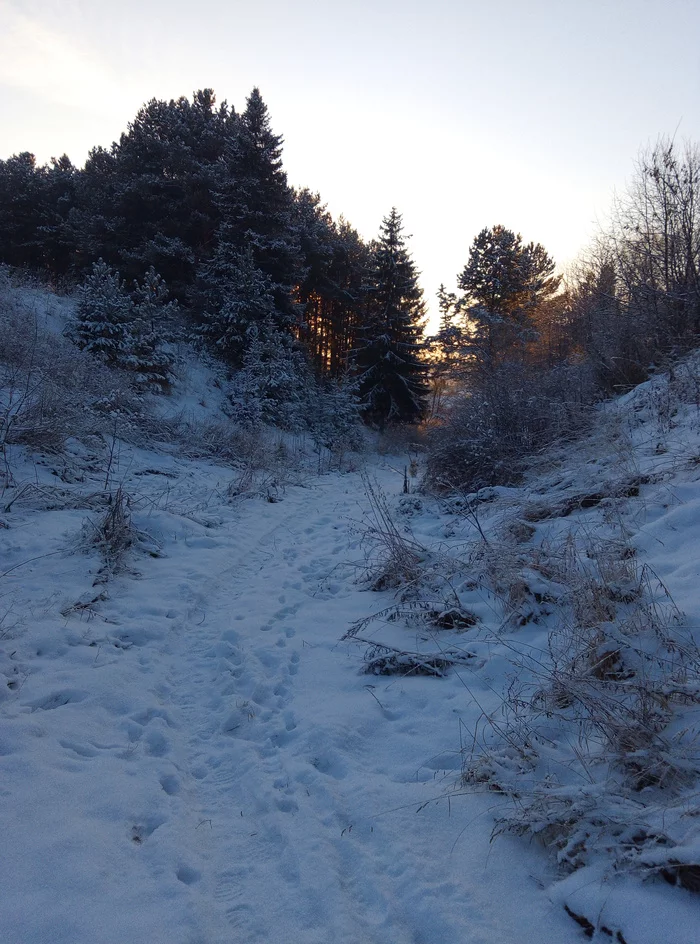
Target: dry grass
<point x="114" y="535"/>
<point x="394" y="559"/>
<point x="593" y="743"/>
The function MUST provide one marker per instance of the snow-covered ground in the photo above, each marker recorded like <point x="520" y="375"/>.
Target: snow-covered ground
<point x="191" y="754"/>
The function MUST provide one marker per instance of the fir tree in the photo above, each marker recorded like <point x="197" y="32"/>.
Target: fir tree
<point x="391" y="375"/>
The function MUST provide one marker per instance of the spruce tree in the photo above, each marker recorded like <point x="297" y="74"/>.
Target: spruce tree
<point x="152" y="324"/>
<point x="241" y="302"/>
<point x="104" y="316"/>
<point x="391" y="375"/>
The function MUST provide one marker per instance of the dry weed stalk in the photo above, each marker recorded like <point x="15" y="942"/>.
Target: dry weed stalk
<point x="115" y="535"/>
<point x="393" y="559"/>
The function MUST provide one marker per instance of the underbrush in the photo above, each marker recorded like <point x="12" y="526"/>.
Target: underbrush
<point x="595" y="744"/>
<point x="502" y="418"/>
<point x="592" y="744"/>
<point x="115" y="536"/>
<point x="49" y="391"/>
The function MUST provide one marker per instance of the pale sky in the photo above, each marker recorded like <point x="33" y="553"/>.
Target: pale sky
<point x="461" y="114"/>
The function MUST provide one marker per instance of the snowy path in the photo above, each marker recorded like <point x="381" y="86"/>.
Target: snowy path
<point x="209" y="766"/>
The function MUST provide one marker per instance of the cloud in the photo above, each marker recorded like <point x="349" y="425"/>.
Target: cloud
<point x="56" y="65"/>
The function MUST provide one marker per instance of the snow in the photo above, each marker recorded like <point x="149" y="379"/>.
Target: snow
<point x="190" y="752"/>
<point x="197" y="758"/>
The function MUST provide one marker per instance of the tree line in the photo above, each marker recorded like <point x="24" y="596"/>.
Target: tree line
<point x="194" y="197"/>
<point x="188" y="224"/>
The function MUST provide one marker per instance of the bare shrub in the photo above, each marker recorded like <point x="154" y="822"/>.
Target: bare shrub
<point x="223" y="441"/>
<point x="114" y="536"/>
<point x="504" y="416"/>
<point x="381" y="659"/>
<point x="434" y="615"/>
<point x="634" y="302"/>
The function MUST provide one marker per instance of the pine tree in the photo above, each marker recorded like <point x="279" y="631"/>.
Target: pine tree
<point x="335" y="263"/>
<point x="503" y="283"/>
<point x="391" y="375"/>
<point x="446" y="348"/>
<point x="448" y="343"/>
<point x="22" y="210"/>
<point x="256" y="262"/>
<point x="58" y="241"/>
<point x="148" y="200"/>
<point x="256" y="206"/>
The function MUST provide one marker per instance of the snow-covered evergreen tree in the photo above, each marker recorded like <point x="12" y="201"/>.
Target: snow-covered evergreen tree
<point x="242" y="302"/>
<point x="123" y="330"/>
<point x="447" y="349"/>
<point x="503" y="283"/>
<point x="391" y="375"/>
<point x="104" y="316"/>
<point x="151" y="327"/>
<point x="334" y="415"/>
<point x="448" y="343"/>
<point x="265" y="210"/>
<point x="256" y="262"/>
<point x="273" y="384"/>
<point x="256" y="241"/>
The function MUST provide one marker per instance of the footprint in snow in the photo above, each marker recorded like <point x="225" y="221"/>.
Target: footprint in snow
<point x="145" y="828"/>
<point x="187" y="875"/>
<point x="170" y="784"/>
<point x="157" y="745"/>
<point x="82" y="750"/>
<point x="58" y="699"/>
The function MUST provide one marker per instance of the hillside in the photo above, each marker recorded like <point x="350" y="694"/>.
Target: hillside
<point x="250" y="699"/>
